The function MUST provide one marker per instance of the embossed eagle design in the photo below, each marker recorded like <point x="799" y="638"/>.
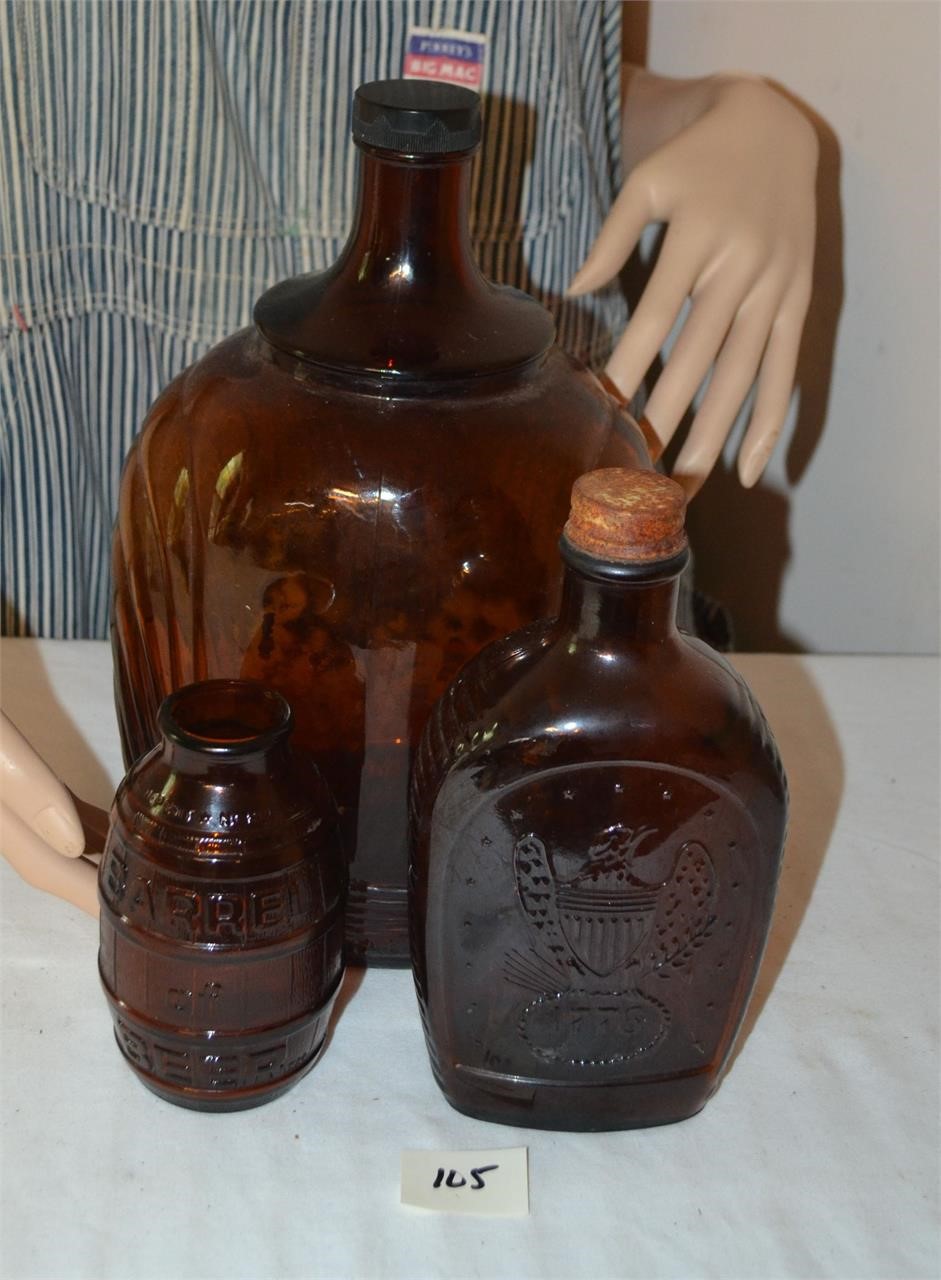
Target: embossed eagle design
<point x="601" y="921"/>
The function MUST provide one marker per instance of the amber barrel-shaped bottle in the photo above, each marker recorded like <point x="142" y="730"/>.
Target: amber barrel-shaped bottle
<point x="221" y="903"/>
<point x="600" y="813"/>
<point x="350" y="499"/>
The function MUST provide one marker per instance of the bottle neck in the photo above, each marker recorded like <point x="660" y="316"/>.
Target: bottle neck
<point x="269" y="761"/>
<point x="610" y="606"/>
<point x="406" y="305"/>
<point x="412" y="225"/>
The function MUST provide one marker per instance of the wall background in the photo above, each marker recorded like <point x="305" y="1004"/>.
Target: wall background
<point x="837" y="549"/>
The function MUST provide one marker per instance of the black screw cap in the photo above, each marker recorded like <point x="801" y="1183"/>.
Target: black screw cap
<point x="416" y="117"/>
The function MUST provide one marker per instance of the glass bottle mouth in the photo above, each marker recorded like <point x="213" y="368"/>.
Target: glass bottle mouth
<point x="225" y="718"/>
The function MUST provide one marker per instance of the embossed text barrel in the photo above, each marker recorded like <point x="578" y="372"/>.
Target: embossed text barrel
<point x="221" y="896"/>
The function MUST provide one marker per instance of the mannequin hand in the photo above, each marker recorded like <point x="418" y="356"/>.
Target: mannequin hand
<point x="736" y="186"/>
<point x="41" y="833"/>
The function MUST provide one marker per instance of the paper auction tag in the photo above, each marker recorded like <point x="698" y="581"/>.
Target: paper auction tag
<point x="494" y="1183"/>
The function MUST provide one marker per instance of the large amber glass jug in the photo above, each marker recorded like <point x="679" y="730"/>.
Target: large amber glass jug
<point x="349" y="499"/>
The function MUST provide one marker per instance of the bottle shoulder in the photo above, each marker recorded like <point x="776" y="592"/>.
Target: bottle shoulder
<point x="287" y="428"/>
<point x="465" y="718"/>
<point x="748" y="722"/>
<point x="530" y="705"/>
<point x="229" y="821"/>
<point x="341" y="323"/>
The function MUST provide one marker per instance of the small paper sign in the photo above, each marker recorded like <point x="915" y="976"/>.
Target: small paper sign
<point x="494" y="1183"/>
<point x="457" y="57"/>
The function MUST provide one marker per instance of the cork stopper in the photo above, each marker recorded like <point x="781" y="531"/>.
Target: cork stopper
<point x="629" y="516"/>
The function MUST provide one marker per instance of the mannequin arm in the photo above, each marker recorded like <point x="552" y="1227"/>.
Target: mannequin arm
<point x="41" y="833"/>
<point x="730" y="165"/>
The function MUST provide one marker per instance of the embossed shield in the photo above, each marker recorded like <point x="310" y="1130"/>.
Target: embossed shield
<point x="602" y="927"/>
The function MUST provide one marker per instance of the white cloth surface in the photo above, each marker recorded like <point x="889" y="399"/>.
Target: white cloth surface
<point x="817" y="1157"/>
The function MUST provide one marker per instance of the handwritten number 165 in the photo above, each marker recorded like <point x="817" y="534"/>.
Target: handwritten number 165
<point x="455" y="1179"/>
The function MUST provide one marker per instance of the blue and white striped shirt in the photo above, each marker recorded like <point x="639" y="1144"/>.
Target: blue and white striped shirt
<point x="162" y="163"/>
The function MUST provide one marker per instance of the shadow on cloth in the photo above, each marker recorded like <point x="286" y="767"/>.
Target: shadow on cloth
<point x="813" y="761"/>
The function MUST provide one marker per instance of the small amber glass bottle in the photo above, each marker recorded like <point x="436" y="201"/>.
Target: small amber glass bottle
<point x="599" y="812"/>
<point x="221" y="903"/>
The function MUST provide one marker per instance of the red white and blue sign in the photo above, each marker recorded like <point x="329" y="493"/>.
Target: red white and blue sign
<point x="456" y="57"/>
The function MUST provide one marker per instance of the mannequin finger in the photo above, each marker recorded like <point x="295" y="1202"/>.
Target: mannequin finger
<point x="699" y="342"/>
<point x="73" y="879"/>
<point x="732" y="377"/>
<point x="670" y="285"/>
<point x="775" y="384"/>
<point x="31" y="790"/>
<point x="616" y="240"/>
